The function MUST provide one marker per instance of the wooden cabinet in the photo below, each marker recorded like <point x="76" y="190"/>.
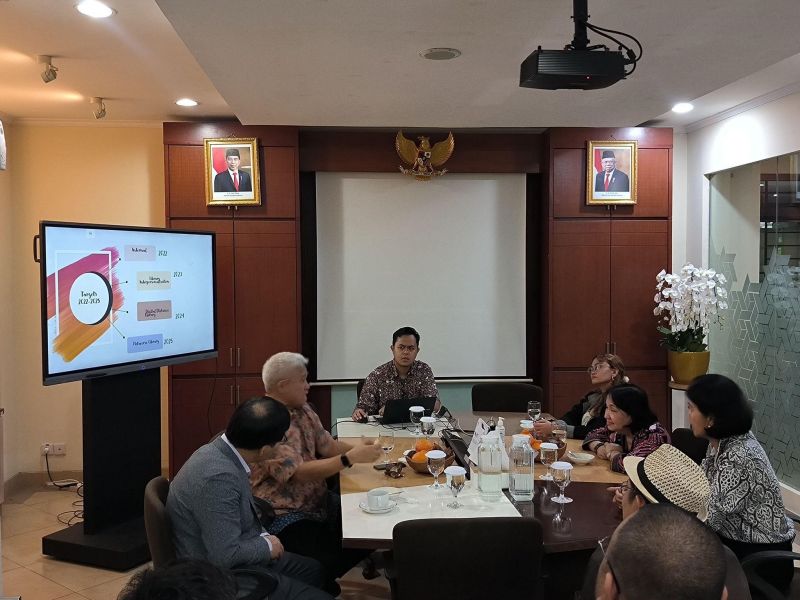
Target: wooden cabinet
<point x="200" y="408"/>
<point x="257" y="286"/>
<point x="600" y="267"/>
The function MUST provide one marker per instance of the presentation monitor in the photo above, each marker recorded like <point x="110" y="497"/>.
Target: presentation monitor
<point x="118" y="299"/>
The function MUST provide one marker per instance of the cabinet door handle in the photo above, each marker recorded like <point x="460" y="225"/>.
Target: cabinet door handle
<point x="238" y="357"/>
<point x="231" y="391"/>
<point x="608" y="347"/>
<point x="230" y="356"/>
<point x="237" y="395"/>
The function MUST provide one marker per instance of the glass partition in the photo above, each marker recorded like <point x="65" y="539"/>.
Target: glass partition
<point x="755" y="242"/>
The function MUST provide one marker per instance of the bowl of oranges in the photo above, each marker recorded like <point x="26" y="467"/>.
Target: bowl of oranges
<point x="417" y="460"/>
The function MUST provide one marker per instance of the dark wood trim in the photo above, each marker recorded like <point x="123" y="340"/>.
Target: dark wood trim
<point x="308" y="269"/>
<point x="374" y="152"/>
<point x="192" y="134"/>
<point x="576" y="137"/>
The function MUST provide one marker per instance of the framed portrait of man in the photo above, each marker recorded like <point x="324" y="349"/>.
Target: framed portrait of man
<point x="232" y="172"/>
<point x="611" y="169"/>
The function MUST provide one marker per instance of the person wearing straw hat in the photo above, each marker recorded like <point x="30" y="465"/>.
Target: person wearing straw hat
<point x="666" y="476"/>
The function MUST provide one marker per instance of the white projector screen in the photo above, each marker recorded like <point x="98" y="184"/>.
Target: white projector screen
<point x="445" y="256"/>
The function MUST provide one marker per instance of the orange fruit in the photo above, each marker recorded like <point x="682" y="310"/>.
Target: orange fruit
<point x="535" y="444"/>
<point x="419" y="457"/>
<point x="423" y="445"/>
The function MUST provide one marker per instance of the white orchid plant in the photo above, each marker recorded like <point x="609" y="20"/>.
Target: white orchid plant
<point x="688" y="303"/>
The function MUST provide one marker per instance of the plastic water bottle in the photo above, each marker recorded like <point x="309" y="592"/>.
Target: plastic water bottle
<point x="490" y="468"/>
<point x="521" y="469"/>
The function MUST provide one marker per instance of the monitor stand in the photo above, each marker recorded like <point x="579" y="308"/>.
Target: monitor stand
<point x="121" y="453"/>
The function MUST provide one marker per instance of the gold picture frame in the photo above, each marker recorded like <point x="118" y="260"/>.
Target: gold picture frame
<point x="230" y="162"/>
<point x="611" y="172"/>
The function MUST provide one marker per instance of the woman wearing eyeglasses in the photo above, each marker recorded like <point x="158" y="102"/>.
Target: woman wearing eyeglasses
<point x="606" y="370"/>
<point x="746" y="507"/>
<point x="631" y="428"/>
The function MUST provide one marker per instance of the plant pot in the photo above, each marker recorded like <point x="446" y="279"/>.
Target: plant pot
<point x="685" y="366"/>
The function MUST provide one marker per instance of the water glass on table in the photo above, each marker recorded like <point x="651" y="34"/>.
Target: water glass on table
<point x="534" y="410"/>
<point x="458" y="479"/>
<point x="428" y="425"/>
<point x="386" y="442"/>
<point x="415" y="414"/>
<point x="436" y="460"/>
<point x="562" y="474"/>
<point x="548" y="454"/>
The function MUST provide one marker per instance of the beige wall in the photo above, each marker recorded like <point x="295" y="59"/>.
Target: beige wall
<point x="93" y="174"/>
<point x="6" y="290"/>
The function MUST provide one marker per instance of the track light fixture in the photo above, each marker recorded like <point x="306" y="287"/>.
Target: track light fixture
<point x="50" y="72"/>
<point x="100" y="111"/>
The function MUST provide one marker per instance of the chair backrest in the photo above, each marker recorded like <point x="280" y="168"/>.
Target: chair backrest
<point x="504" y="397"/>
<point x="157" y="523"/>
<point x="693" y="447"/>
<point x="477" y="558"/>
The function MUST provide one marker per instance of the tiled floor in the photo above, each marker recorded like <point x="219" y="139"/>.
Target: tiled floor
<point x="28" y="516"/>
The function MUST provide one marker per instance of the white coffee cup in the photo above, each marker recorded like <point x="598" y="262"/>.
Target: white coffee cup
<point x="378" y="499"/>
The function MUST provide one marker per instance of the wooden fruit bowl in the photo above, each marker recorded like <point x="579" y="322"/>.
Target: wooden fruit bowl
<point x="422" y="467"/>
<point x="562" y="449"/>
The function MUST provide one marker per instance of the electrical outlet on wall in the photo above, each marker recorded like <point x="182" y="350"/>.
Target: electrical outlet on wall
<point x="53" y="448"/>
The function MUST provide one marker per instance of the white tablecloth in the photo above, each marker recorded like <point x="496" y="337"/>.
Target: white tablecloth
<point x="418" y="502"/>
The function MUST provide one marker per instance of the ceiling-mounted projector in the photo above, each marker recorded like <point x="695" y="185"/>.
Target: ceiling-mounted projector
<point x="579" y="66"/>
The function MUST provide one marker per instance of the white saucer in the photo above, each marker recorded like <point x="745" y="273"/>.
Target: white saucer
<point x="363" y="506"/>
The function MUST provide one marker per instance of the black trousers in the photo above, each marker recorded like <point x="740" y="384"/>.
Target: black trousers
<point x="323" y="542"/>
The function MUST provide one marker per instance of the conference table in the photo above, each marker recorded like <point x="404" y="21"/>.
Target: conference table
<point x="569" y="532"/>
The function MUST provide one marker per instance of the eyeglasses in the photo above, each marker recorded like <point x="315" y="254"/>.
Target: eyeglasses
<point x="596" y="367"/>
<point x="625" y="488"/>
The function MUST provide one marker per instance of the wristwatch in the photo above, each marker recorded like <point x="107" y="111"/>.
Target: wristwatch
<point x="345" y="461"/>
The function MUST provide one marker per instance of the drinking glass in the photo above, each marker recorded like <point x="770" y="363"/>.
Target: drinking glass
<point x="548" y="454"/>
<point x="435" y="466"/>
<point x="415" y="414"/>
<point x="386" y="442"/>
<point x="562" y="473"/>
<point x="534" y="410"/>
<point x="428" y="426"/>
<point x="458" y="479"/>
<point x="560" y="435"/>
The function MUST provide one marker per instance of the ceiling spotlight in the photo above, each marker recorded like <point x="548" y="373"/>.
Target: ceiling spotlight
<point x="682" y="107"/>
<point x="50" y="72"/>
<point x="100" y="111"/>
<point x="186" y="102"/>
<point x="94" y="9"/>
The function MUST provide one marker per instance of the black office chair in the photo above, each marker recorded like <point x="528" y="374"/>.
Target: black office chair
<point x="504" y="397"/>
<point x="359" y="387"/>
<point x="468" y="559"/>
<point x="253" y="583"/>
<point x="693" y="447"/>
<point x="760" y="587"/>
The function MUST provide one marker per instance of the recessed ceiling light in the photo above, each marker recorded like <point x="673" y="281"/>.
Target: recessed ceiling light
<point x="440" y="53"/>
<point x="94" y="9"/>
<point x="186" y="102"/>
<point x="682" y="107"/>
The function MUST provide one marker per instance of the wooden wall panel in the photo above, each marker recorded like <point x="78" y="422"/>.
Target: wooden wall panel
<point x="579" y="291"/>
<point x="568" y="388"/>
<point x="576" y="137"/>
<point x="374" y="151"/>
<point x="654" y="185"/>
<point x="569" y="185"/>
<point x="654" y="382"/>
<point x="187" y="193"/>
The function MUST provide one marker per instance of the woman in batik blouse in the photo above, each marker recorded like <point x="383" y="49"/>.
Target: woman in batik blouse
<point x="632" y="429"/>
<point x="745" y="507"/>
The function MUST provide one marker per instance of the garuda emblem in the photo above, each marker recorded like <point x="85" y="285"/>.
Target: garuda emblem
<point x="423" y="159"/>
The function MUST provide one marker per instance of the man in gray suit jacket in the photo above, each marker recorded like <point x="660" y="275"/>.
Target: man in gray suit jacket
<point x="212" y="511"/>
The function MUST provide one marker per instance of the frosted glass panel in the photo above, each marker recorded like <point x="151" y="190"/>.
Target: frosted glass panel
<point x="755" y="242"/>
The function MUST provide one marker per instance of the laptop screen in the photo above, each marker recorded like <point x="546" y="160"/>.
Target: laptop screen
<point x="397" y="411"/>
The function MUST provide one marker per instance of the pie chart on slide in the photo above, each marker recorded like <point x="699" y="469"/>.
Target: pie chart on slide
<point x="90" y="298"/>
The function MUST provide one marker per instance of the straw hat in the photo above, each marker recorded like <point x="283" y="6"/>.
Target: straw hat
<point x="668" y="475"/>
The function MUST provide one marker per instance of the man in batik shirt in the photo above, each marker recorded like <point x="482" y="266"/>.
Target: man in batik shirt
<point x="401" y="378"/>
<point x="292" y="476"/>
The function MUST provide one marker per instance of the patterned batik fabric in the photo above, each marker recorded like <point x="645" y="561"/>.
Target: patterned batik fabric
<point x="746" y="503"/>
<point x="385" y="383"/>
<point x="644" y="442"/>
<point x="272" y="479"/>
